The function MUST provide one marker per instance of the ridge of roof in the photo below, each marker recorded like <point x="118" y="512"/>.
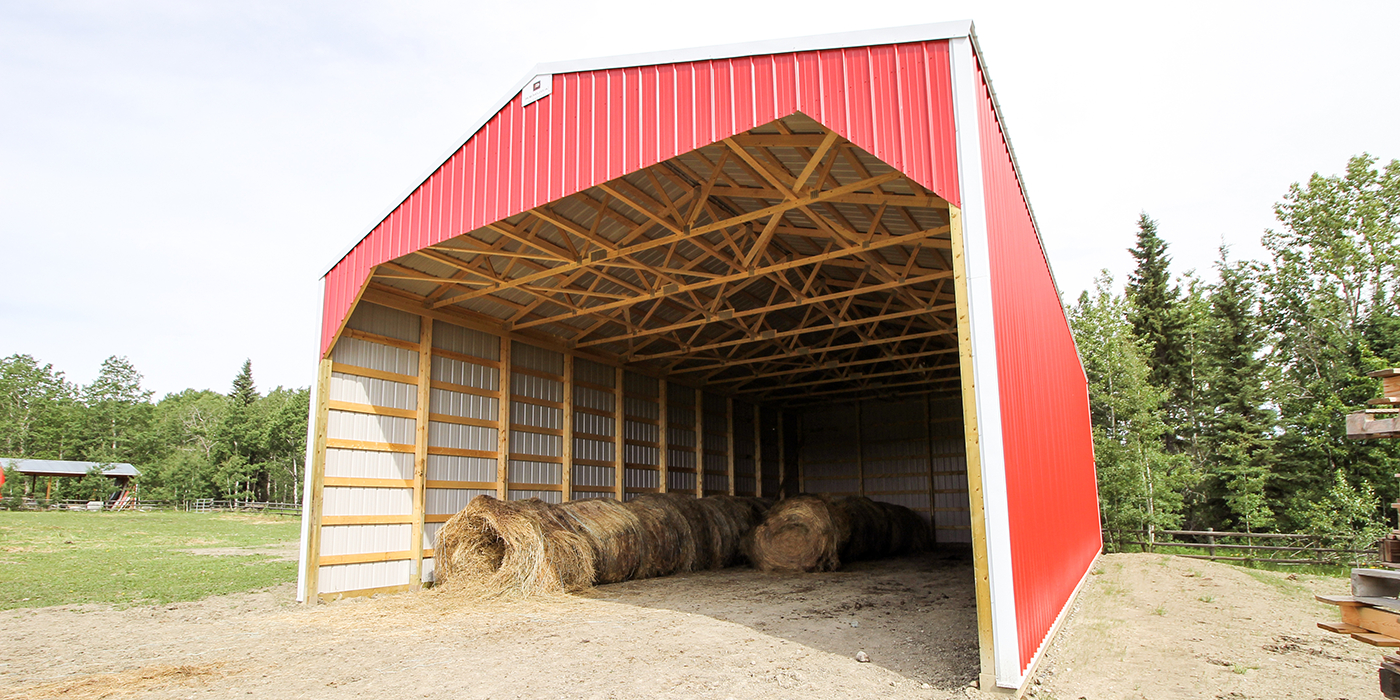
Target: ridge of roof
<point x="868" y="37"/>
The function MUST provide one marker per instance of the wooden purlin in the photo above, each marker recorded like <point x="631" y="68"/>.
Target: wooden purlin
<point x="698" y="209"/>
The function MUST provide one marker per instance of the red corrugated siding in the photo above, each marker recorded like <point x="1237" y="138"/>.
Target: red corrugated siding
<point x="1051" y="489"/>
<point x="893" y="101"/>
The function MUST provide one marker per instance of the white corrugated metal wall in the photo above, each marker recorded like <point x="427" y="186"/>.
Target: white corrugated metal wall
<point x="908" y="451"/>
<point x="367" y="504"/>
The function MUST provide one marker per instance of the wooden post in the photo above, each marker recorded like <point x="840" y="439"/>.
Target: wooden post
<point x="318" y="480"/>
<point x="662" y="462"/>
<point x="48" y="489"/>
<point x="1210" y="542"/>
<point x="782" y="455"/>
<point x="860" y="455"/>
<point x="758" y="450"/>
<point x="503" y="424"/>
<point x="566" y="472"/>
<point x="620" y="415"/>
<point x="420" y="447"/>
<point x="981" y="579"/>
<point x="699" y="443"/>
<point x="729" y="440"/>
<point x="928" y="433"/>
<point x="801" y="471"/>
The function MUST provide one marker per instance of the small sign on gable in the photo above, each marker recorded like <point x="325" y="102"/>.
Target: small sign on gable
<point x="538" y="87"/>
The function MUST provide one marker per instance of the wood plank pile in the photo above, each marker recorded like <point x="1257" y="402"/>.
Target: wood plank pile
<point x="1383" y="419"/>
<point x="1370" y="615"/>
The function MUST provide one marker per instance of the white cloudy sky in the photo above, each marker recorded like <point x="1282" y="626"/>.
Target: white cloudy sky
<point x="176" y="176"/>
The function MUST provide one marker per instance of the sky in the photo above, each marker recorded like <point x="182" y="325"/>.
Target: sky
<point x="175" y="177"/>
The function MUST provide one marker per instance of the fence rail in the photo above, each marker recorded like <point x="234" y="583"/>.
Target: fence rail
<point x="194" y="506"/>
<point x="1335" y="551"/>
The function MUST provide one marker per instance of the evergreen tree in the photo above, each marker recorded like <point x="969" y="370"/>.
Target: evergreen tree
<point x="1140" y="484"/>
<point x="1156" y="319"/>
<point x="1240" y="428"/>
<point x="244" y="392"/>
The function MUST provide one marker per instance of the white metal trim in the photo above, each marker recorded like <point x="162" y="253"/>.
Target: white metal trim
<point x="977" y="257"/>
<point x="307" y="485"/>
<point x="871" y="37"/>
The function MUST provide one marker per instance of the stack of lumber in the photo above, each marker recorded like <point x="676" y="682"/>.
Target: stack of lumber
<point x="1371" y="614"/>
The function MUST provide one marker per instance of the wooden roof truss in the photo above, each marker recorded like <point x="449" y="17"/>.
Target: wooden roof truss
<point x="781" y="264"/>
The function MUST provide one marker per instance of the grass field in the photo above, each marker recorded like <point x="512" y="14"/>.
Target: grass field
<point x="61" y="558"/>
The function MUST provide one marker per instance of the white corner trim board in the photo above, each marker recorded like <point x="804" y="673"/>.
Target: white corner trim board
<point x="976" y="253"/>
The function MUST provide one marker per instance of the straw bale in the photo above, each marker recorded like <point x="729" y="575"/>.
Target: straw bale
<point x="802" y="533"/>
<point x="615" y="534"/>
<point x="495" y="547"/>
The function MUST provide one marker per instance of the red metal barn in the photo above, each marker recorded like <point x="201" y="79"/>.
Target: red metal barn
<point x="799" y="264"/>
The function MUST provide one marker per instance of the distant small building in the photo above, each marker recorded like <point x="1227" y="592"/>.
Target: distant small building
<point x="120" y="472"/>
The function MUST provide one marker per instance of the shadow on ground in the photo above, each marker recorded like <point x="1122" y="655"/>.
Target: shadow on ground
<point x="915" y="616"/>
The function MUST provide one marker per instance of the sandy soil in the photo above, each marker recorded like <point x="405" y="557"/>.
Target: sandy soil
<point x="1153" y="626"/>
<point x="734" y="633"/>
<point x="1140" y="631"/>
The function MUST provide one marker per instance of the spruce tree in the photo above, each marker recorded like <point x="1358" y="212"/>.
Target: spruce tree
<point x="1156" y="319"/>
<point x="244" y="393"/>
<point x="1240" y="456"/>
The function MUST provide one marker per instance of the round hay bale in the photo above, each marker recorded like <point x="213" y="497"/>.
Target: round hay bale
<point x="802" y="533"/>
<point x="495" y="548"/>
<point x="908" y="531"/>
<point x="668" y="545"/>
<point x="724" y="518"/>
<point x="614" y="532"/>
<point x="702" y="534"/>
<point x="870" y="529"/>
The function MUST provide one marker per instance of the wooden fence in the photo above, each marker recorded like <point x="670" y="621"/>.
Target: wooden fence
<point x="1277" y="548"/>
<point x="194" y="506"/>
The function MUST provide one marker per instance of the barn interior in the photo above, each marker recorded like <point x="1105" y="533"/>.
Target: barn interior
<point x="771" y="314"/>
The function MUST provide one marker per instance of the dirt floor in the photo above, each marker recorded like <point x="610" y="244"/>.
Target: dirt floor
<point x="1154" y="626"/>
<point x="1143" y="629"/>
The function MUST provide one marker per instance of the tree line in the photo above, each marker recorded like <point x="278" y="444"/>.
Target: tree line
<point x="193" y="444"/>
<point x="1222" y="404"/>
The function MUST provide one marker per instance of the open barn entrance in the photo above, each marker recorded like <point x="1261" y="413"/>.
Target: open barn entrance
<point x="771" y="314"/>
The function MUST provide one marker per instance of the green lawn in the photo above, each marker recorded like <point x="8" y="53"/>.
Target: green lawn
<point x="60" y="558"/>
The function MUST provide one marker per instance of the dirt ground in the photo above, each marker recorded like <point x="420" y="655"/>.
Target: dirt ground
<point x="1141" y="630"/>
<point x="1153" y="626"/>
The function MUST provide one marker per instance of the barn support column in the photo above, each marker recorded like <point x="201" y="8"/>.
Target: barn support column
<point x="801" y="456"/>
<point x="420" y="447"/>
<point x="981" y="578"/>
<point x="729" y="441"/>
<point x="503" y="423"/>
<point x="699" y="443"/>
<point x="620" y="424"/>
<point x="860" y="454"/>
<point x="316" y="504"/>
<point x="932" y="490"/>
<point x="566" y="450"/>
<point x="758" y="450"/>
<point x="663" y="428"/>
